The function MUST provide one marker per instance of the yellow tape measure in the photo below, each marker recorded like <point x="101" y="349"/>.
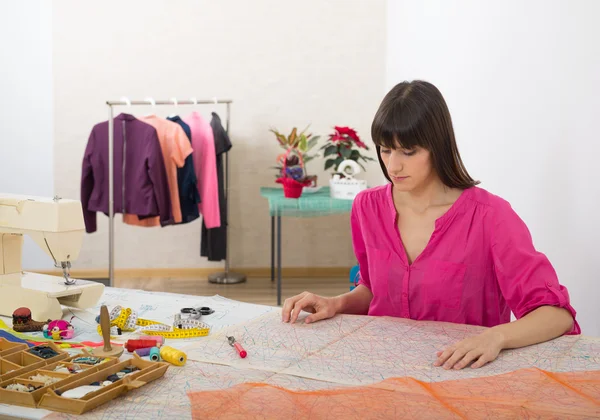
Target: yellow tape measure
<point x="127" y="320"/>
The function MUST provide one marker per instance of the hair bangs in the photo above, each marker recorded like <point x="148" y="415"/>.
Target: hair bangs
<point x="398" y="127"/>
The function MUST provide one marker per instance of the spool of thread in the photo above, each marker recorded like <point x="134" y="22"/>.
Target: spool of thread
<point x="139" y="344"/>
<point x="173" y="356"/>
<point x="143" y="352"/>
<point x="155" y="354"/>
<point x="160" y="340"/>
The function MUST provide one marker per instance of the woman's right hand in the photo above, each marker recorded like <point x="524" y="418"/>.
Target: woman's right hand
<point x="320" y="307"/>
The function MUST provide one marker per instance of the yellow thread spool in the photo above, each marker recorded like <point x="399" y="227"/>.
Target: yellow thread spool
<point x="173" y="356"/>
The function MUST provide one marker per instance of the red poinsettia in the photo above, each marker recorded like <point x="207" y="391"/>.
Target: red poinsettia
<point x="341" y="146"/>
<point x="346" y="134"/>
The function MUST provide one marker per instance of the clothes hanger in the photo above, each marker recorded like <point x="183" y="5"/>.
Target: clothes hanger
<point x="195" y="101"/>
<point x="153" y="103"/>
<point x="215" y="102"/>
<point x="174" y="100"/>
<point x="127" y="101"/>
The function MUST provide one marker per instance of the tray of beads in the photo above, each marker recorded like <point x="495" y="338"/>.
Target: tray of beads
<point x="109" y="382"/>
<point x="8" y="347"/>
<point x="28" y="359"/>
<point x="27" y="389"/>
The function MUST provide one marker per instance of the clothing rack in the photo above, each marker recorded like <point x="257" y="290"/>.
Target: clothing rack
<point x="226" y="277"/>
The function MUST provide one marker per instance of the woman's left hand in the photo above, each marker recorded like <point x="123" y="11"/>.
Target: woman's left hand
<point x="480" y="349"/>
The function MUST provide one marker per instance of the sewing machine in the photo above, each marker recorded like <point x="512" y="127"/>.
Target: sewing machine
<point x="56" y="225"/>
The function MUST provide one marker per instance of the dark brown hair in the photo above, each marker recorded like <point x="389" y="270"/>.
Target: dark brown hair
<point x="415" y="114"/>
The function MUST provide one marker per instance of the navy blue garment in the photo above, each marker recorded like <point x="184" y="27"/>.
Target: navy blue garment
<point x="189" y="197"/>
<point x="213" y="243"/>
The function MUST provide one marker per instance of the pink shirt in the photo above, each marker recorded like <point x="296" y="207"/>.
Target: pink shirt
<point x="205" y="165"/>
<point x="479" y="265"/>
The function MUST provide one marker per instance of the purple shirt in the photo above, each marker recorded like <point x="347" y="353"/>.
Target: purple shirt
<point x="140" y="183"/>
<point x="479" y="264"/>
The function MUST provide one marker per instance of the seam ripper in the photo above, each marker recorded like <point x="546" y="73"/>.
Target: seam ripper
<point x="237" y="346"/>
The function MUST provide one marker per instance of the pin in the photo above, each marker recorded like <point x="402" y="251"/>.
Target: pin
<point x="237" y="346"/>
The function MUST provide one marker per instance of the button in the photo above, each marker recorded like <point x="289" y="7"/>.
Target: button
<point x="405" y="295"/>
<point x="548" y="284"/>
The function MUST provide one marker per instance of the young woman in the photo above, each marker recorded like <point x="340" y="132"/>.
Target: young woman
<point x="433" y="246"/>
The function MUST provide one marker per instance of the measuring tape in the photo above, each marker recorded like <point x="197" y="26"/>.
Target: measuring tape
<point x="127" y="320"/>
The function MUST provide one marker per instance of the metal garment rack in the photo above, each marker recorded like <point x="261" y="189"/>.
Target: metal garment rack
<point x="226" y="277"/>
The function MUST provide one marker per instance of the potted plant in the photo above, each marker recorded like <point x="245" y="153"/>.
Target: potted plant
<point x="343" y="150"/>
<point x="343" y="144"/>
<point x="291" y="164"/>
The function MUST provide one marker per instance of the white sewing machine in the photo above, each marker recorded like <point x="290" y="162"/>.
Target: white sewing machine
<point x="56" y="225"/>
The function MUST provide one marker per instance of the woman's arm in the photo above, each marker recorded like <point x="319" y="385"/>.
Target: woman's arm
<point x="355" y="302"/>
<point x="542" y="324"/>
<point x="529" y="285"/>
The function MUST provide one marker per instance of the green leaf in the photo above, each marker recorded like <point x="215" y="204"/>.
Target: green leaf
<point x="329" y="163"/>
<point x="304" y="131"/>
<point x="345" y="152"/>
<point x="355" y="155"/>
<point x="330" y="150"/>
<point x="302" y="143"/>
<point x="338" y="160"/>
<point x="309" y="158"/>
<point x="313" y="142"/>
<point x="280" y="137"/>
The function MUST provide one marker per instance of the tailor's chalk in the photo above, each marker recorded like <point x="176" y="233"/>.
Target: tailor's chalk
<point x="238" y="347"/>
<point x="154" y="354"/>
<point x="143" y="352"/>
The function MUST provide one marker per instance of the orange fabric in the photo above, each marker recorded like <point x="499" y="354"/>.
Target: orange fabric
<point x="526" y="393"/>
<point x="175" y="147"/>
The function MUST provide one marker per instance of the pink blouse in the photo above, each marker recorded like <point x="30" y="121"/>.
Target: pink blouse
<point x="205" y="165"/>
<point x="479" y="265"/>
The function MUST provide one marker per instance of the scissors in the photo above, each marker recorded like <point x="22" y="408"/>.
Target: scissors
<point x="196" y="313"/>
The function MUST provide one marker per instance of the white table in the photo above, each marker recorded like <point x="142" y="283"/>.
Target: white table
<point x="343" y="351"/>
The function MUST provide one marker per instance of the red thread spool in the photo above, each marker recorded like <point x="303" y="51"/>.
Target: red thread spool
<point x="133" y="345"/>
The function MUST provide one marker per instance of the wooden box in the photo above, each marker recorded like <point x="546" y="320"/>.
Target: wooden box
<point x="19" y="366"/>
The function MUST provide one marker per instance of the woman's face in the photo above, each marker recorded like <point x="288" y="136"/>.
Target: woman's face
<point x="409" y="170"/>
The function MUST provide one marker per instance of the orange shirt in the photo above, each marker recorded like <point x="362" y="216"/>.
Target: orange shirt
<point x="175" y="147"/>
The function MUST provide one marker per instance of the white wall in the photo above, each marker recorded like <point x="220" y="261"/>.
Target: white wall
<point x="284" y="64"/>
<point x="522" y="80"/>
<point x="26" y="118"/>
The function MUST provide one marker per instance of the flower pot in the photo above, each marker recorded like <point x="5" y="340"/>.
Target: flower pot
<point x="291" y="187"/>
<point x="292" y="191"/>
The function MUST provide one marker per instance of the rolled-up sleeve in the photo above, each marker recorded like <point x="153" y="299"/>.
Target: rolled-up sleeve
<point x="526" y="277"/>
<point x="358" y="243"/>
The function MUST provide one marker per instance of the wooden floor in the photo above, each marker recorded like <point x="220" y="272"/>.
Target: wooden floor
<point x="254" y="290"/>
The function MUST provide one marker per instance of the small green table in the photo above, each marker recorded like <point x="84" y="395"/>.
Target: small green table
<point x="310" y="204"/>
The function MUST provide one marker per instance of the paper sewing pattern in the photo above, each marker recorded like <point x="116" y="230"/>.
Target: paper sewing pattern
<point x="356" y="350"/>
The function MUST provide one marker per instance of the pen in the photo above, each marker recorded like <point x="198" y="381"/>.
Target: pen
<point x="237" y="346"/>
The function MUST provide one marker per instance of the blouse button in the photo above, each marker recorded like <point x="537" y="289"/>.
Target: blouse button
<point x="548" y="284"/>
<point x="405" y="295"/>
